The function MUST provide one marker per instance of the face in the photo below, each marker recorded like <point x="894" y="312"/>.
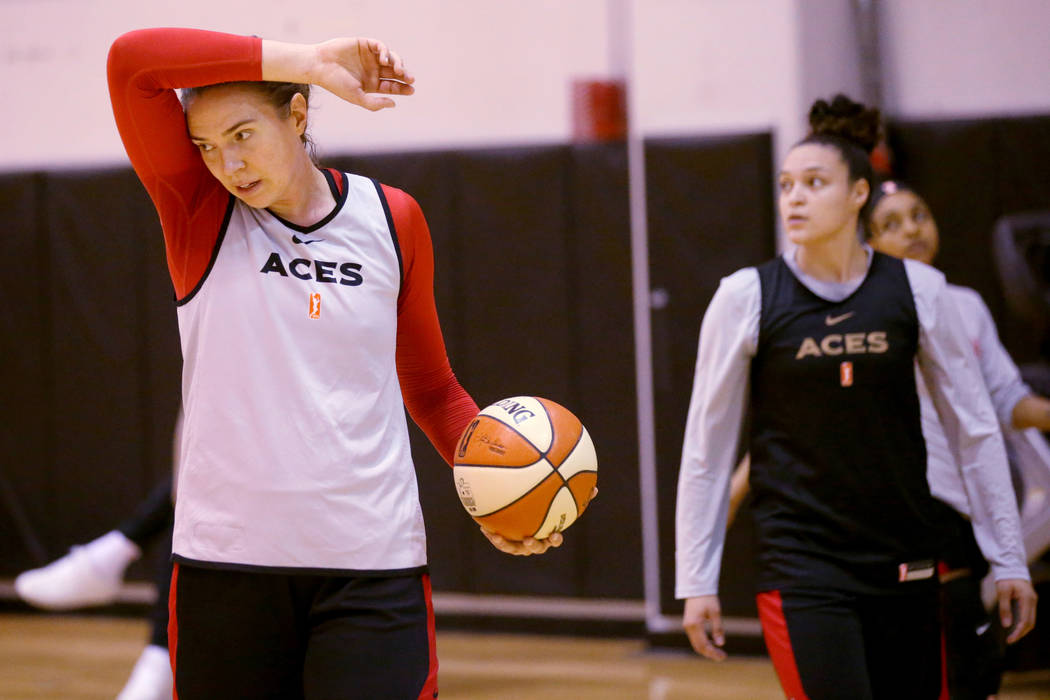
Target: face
<point x="245" y="142"/>
<point x="902" y="226"/>
<point x="816" y="199"/>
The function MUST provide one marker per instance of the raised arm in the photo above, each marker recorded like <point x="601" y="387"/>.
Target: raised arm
<point x="359" y="70"/>
<point x="146" y="66"/>
<point x="144" y="69"/>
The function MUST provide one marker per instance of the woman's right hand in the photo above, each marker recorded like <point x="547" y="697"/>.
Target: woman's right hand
<point x="355" y="69"/>
<point x="359" y="70"/>
<point x="702" y="621"/>
<point x="525" y="547"/>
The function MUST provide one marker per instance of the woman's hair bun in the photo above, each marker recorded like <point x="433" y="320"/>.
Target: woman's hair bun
<point x="846" y="119"/>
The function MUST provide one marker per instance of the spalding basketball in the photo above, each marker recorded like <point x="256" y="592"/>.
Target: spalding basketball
<point x="525" y="467"/>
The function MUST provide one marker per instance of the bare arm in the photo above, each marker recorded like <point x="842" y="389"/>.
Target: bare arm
<point x="738" y="488"/>
<point x="358" y="70"/>
<point x="1032" y="411"/>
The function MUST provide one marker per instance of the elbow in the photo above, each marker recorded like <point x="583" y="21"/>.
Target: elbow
<point x="118" y="58"/>
<point x="124" y="48"/>
<point x="122" y="45"/>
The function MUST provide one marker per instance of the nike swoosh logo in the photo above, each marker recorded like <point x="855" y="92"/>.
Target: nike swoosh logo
<point x="832" y="320"/>
<point x="296" y="239"/>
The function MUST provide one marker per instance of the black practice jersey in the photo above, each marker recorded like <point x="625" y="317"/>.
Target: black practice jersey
<point x="837" y="452"/>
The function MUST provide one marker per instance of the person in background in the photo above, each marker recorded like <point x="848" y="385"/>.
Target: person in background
<point x="902" y="225"/>
<point x="92" y="574"/>
<point x="821" y="343"/>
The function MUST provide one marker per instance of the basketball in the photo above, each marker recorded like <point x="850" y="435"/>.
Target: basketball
<point x="525" y="467"/>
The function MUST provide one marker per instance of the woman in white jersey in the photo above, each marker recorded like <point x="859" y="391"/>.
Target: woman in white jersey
<point x="820" y="345"/>
<point x="901" y="224"/>
<point x="308" y="326"/>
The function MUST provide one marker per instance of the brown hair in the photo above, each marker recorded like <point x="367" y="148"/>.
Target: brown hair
<point x="853" y="130"/>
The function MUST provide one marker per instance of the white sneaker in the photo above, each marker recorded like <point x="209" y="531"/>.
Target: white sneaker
<point x="90" y="574"/>
<point x="151" y="677"/>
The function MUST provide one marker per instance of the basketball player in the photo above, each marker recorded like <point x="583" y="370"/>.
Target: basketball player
<point x="822" y="342"/>
<point x="307" y="322"/>
<point x="92" y="574"/>
<point x="902" y="225"/>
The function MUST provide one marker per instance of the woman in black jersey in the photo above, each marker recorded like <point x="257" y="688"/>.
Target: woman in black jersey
<point x="820" y="346"/>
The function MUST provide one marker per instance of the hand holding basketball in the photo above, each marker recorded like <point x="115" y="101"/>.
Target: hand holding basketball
<point x="525" y="469"/>
<point x="524" y="548"/>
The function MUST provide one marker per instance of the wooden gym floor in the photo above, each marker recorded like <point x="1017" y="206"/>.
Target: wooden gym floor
<point x="64" y="657"/>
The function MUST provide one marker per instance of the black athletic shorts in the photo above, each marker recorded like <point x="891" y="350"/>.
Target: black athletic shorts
<point x="833" y="645"/>
<point x="248" y="635"/>
<point x="974" y="640"/>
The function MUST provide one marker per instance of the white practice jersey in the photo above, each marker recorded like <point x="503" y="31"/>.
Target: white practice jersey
<point x="295" y="451"/>
<point x="1028" y="448"/>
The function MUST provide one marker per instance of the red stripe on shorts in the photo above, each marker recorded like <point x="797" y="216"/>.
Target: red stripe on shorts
<point x="775" y="631"/>
<point x="430" y="688"/>
<point x="173" y="627"/>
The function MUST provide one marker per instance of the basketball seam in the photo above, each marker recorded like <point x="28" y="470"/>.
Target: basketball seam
<point x="550" y="422"/>
<point x="550" y="506"/>
<point x="504" y="466"/>
<point x="567" y="454"/>
<point x="508" y="505"/>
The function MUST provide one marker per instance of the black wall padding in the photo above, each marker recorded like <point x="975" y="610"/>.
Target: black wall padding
<point x="710" y="213"/>
<point x="96" y="364"/>
<point x="99" y="357"/>
<point x="607" y="555"/>
<point x="972" y="172"/>
<point x="514" y="286"/>
<point x="25" y="327"/>
<point x="533" y="287"/>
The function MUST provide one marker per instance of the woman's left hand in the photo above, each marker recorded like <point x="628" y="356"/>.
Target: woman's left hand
<point x="1017" y="603"/>
<point x="525" y="547"/>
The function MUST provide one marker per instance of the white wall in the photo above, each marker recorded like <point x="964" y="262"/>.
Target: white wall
<point x="719" y="65"/>
<point x="499" y="71"/>
<point x="965" y="58"/>
<point x="487" y="71"/>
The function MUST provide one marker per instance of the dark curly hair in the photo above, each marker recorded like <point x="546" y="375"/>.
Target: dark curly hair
<point x="853" y="130"/>
<point x="279" y="95"/>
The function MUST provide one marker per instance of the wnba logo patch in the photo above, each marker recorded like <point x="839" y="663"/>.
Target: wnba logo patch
<point x="315" y="305"/>
<point x="846" y="374"/>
